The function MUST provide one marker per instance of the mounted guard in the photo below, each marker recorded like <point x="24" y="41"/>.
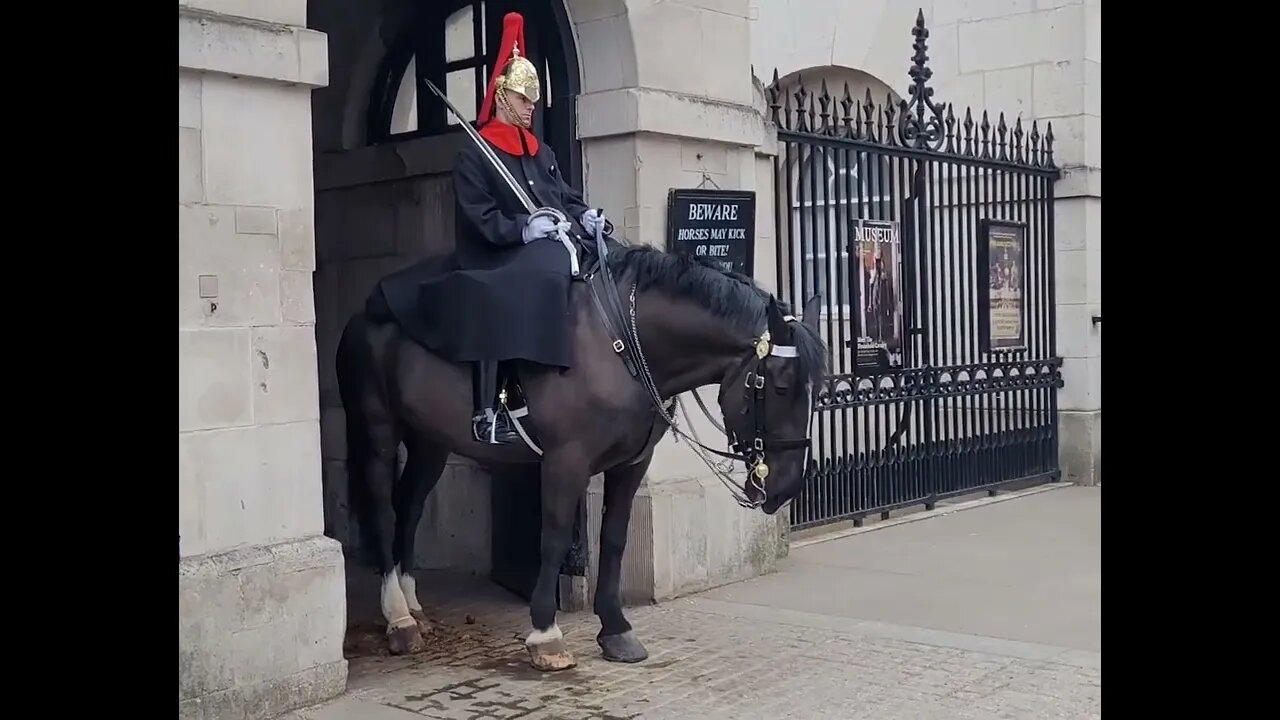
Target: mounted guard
<point x="597" y="401"/>
<point x="508" y="298"/>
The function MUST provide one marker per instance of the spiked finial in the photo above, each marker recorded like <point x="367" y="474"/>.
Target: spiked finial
<point x="986" y="136"/>
<point x="1017" y="141"/>
<point x="824" y="101"/>
<point x="846" y="117"/>
<point x="921" y="127"/>
<point x="1035" y="143"/>
<point x="772" y="92"/>
<point x="1048" y="145"/>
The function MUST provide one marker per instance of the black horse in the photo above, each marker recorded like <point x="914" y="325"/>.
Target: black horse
<point x="674" y="324"/>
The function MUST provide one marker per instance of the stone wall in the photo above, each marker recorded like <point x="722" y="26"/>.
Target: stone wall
<point x="261" y="592"/>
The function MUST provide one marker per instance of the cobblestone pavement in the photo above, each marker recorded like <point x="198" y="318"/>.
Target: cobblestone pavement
<point x="715" y="660"/>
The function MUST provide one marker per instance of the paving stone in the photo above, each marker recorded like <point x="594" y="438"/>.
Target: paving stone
<point x="716" y="668"/>
<point x="718" y="658"/>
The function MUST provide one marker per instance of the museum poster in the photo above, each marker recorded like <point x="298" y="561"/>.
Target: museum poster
<point x="1003" y="261"/>
<point x="875" y="271"/>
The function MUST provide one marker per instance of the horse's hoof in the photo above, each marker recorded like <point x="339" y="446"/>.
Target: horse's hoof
<point x="551" y="656"/>
<point x="406" y="640"/>
<point x="625" y="647"/>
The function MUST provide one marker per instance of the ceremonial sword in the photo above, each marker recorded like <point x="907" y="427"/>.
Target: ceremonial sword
<point x="510" y="180"/>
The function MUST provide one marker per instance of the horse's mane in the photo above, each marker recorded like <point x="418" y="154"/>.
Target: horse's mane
<point x="731" y="296"/>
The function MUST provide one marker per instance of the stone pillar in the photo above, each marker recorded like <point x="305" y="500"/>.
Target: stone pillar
<point x="648" y="124"/>
<point x="1068" y="91"/>
<point x="261" y="597"/>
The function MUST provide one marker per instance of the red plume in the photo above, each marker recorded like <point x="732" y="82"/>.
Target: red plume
<point x="512" y="33"/>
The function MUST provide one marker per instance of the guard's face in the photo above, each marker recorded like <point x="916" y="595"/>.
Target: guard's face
<point x="522" y="107"/>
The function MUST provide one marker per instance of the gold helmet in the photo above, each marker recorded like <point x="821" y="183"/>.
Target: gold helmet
<point x="521" y="76"/>
<point x="512" y="71"/>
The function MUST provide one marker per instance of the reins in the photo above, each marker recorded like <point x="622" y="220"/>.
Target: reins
<point x="750" y="451"/>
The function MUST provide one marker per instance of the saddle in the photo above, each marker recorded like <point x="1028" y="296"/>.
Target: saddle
<point x="604" y="293"/>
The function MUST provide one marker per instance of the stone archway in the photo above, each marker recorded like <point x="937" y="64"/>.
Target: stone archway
<point x="383" y="153"/>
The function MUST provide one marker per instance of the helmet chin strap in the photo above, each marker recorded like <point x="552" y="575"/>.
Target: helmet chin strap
<point x="512" y="116"/>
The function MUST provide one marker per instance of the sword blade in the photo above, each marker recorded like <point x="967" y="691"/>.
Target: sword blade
<point x="488" y="151"/>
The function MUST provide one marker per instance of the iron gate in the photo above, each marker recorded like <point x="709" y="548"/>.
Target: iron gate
<point x="931" y="240"/>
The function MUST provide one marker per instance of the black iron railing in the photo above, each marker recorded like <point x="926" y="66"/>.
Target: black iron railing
<point x="931" y="241"/>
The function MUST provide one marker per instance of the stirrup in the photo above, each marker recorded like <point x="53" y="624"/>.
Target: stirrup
<point x="489" y="435"/>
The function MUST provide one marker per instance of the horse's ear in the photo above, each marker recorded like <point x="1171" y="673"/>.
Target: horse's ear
<point x="812" y="311"/>
<point x="778" y="329"/>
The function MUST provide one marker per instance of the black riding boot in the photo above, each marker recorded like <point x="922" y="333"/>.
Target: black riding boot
<point x="486" y="425"/>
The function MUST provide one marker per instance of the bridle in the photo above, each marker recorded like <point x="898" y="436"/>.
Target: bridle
<point x="752" y="450"/>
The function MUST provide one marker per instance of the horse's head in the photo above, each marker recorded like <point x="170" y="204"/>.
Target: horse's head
<point x="767" y="401"/>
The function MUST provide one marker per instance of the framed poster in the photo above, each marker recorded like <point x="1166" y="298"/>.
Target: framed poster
<point x="875" y="279"/>
<point x="1002" y="285"/>
<point x="719" y="225"/>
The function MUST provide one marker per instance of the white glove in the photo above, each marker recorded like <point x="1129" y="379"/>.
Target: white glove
<point x="593" y="221"/>
<point x="540" y="227"/>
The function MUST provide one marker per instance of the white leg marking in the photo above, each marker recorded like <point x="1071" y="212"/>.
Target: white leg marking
<point x="394" y="607"/>
<point x="538" y="637"/>
<point x="409" y="586"/>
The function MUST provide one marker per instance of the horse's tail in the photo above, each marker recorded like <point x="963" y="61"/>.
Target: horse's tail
<point x="353" y="366"/>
